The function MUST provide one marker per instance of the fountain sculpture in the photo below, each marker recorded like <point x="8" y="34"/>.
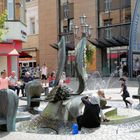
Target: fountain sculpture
<point x="8" y="109"/>
<point x="64" y="104"/>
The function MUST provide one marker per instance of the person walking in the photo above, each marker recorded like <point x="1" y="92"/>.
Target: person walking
<point x="44" y="72"/>
<point x="124" y="92"/>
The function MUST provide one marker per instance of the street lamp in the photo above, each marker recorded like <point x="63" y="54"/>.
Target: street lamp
<point x="83" y="19"/>
<point x="86" y="32"/>
<point x="85" y="28"/>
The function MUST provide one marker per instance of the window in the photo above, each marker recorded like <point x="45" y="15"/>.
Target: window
<point x="107" y="5"/>
<point x="108" y="33"/>
<point x="10" y="7"/>
<point x="66" y="11"/>
<point x="22" y="11"/>
<point x="65" y="29"/>
<point x="32" y="26"/>
<point x="70" y="25"/>
<point x="107" y="22"/>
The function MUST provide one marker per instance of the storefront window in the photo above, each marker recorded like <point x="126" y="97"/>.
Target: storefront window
<point x="117" y="57"/>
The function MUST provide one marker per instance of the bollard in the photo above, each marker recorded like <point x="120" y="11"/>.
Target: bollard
<point x="74" y="129"/>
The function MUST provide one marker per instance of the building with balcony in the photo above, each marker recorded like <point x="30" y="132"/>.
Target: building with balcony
<point x="30" y="51"/>
<point x="110" y="20"/>
<point x="56" y="19"/>
<point x="114" y="19"/>
<point x="69" y="13"/>
<point x="15" y="34"/>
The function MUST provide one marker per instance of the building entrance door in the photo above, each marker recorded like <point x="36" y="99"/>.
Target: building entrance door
<point x="117" y="58"/>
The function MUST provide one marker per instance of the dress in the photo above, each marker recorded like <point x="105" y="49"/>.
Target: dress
<point x="125" y="94"/>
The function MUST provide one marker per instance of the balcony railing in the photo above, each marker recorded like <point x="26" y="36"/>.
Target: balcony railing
<point x="69" y="38"/>
<point x="113" y="5"/>
<point x="15" y="31"/>
<point x="114" y="31"/>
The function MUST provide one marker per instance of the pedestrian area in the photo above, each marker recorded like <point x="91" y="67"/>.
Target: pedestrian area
<point x="123" y="130"/>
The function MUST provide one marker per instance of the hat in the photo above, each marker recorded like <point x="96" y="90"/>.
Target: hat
<point x="94" y="100"/>
<point x="122" y="79"/>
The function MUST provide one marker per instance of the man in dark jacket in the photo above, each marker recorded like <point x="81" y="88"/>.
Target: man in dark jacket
<point x="27" y="78"/>
<point x="90" y="117"/>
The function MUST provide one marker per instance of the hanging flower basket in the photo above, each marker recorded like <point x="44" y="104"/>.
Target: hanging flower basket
<point x="89" y="54"/>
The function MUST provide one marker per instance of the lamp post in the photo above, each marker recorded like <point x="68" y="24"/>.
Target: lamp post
<point x="85" y="28"/>
<point x="86" y="32"/>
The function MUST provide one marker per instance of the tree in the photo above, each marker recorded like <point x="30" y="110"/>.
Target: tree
<point x="3" y="18"/>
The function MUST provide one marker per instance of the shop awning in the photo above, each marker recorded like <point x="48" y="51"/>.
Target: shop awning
<point x="116" y="55"/>
<point x="112" y="42"/>
<point x="69" y="46"/>
<point x="8" y="50"/>
<point x="24" y="55"/>
<point x="113" y="55"/>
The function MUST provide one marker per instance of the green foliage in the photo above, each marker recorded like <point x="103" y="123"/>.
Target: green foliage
<point x="89" y="54"/>
<point x="62" y="93"/>
<point x="3" y="18"/>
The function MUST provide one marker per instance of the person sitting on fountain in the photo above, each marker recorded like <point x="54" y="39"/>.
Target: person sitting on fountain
<point x="103" y="99"/>
<point x="27" y="78"/>
<point x="51" y="79"/>
<point x="91" y="115"/>
<point x="124" y="92"/>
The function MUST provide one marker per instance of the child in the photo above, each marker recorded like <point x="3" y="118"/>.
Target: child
<point x="124" y="92"/>
<point x="103" y="99"/>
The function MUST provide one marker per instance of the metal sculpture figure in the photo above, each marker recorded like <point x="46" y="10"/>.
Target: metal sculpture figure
<point x="33" y="90"/>
<point x="80" y="66"/>
<point x="63" y="105"/>
<point x="80" y="69"/>
<point x="134" y="42"/>
<point x="8" y="109"/>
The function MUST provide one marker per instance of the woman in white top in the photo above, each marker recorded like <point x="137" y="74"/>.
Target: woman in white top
<point x="44" y="71"/>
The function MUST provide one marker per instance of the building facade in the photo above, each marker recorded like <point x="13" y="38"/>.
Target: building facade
<point x="114" y="19"/>
<point x="110" y="20"/>
<point x="48" y="32"/>
<point x="70" y="13"/>
<point x="30" y="51"/>
<point x="56" y="19"/>
<point x="15" y="34"/>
